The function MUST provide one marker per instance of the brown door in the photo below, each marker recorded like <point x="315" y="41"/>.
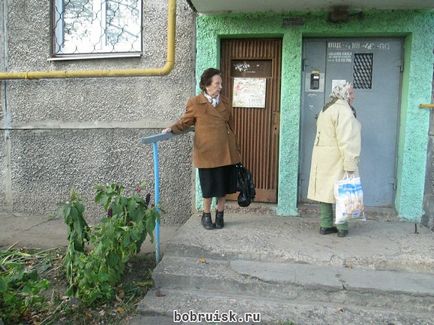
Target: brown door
<point x="251" y="80"/>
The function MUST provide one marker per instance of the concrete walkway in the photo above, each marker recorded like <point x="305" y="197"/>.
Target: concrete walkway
<point x="259" y="234"/>
<point x="42" y="232"/>
<point x="374" y="244"/>
<point x="280" y="266"/>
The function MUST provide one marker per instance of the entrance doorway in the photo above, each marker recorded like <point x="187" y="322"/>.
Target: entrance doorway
<point x="251" y="80"/>
<point x="374" y="65"/>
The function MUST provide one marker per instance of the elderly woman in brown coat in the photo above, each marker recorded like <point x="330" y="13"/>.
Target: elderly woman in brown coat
<point x="336" y="151"/>
<point x="215" y="153"/>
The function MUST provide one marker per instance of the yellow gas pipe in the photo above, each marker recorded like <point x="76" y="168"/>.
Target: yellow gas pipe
<point x="170" y="61"/>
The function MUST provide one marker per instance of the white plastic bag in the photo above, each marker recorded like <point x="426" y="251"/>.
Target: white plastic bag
<point x="349" y="199"/>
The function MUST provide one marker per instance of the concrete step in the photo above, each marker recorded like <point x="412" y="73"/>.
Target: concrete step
<point x="299" y="283"/>
<point x="272" y="311"/>
<point x="379" y="245"/>
<point x="382" y="273"/>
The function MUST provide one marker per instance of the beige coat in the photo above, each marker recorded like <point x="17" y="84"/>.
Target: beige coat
<point x="336" y="149"/>
<point x="214" y="142"/>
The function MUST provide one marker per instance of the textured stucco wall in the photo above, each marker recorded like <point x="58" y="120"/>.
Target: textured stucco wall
<point x="414" y="26"/>
<point x="68" y="133"/>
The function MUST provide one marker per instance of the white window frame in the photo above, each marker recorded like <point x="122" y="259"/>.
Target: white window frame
<point x="99" y="24"/>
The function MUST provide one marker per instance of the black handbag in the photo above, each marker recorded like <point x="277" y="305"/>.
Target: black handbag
<point x="245" y="186"/>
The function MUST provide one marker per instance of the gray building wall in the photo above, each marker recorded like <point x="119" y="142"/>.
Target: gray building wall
<point x="428" y="218"/>
<point x="58" y="134"/>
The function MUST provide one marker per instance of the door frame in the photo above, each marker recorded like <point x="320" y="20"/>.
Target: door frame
<point x="264" y="167"/>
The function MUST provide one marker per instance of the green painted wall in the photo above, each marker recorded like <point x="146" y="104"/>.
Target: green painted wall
<point x="416" y="27"/>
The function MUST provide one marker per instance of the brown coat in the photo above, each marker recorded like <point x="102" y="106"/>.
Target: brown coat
<point x="214" y="139"/>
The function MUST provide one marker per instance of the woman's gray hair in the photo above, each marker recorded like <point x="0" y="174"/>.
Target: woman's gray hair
<point x="341" y="91"/>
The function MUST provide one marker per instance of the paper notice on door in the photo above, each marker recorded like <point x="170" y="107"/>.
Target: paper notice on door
<point x="338" y="83"/>
<point x="249" y="92"/>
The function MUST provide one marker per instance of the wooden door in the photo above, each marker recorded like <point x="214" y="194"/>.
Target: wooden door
<point x="251" y="80"/>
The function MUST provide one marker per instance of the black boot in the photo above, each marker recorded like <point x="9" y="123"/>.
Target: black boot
<point x="328" y="230"/>
<point x="206" y="221"/>
<point x="219" y="222"/>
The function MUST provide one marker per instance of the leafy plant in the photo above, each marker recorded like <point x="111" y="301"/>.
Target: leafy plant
<point x="20" y="286"/>
<point x="93" y="274"/>
<point x="78" y="234"/>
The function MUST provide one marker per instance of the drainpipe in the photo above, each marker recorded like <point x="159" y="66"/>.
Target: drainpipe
<point x="6" y="115"/>
<point x="170" y="61"/>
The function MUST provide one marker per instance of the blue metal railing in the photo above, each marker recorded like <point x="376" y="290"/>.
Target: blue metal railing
<point x="154" y="139"/>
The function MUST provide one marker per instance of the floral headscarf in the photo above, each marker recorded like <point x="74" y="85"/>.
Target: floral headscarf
<point x="341" y="91"/>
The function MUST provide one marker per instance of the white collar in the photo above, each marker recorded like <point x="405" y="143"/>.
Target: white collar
<point x="214" y="101"/>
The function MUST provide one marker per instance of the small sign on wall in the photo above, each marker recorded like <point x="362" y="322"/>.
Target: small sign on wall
<point x="249" y="92"/>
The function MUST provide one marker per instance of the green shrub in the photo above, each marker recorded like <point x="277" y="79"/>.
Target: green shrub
<point x="20" y="286"/>
<point x="93" y="273"/>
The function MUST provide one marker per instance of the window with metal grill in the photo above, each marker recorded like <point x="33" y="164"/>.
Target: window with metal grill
<point x="362" y="70"/>
<point x="97" y="27"/>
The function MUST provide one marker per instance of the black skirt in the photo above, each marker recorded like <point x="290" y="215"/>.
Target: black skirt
<point x="219" y="181"/>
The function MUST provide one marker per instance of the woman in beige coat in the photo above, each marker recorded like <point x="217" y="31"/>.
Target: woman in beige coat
<point x="336" y="150"/>
<point x="215" y="153"/>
